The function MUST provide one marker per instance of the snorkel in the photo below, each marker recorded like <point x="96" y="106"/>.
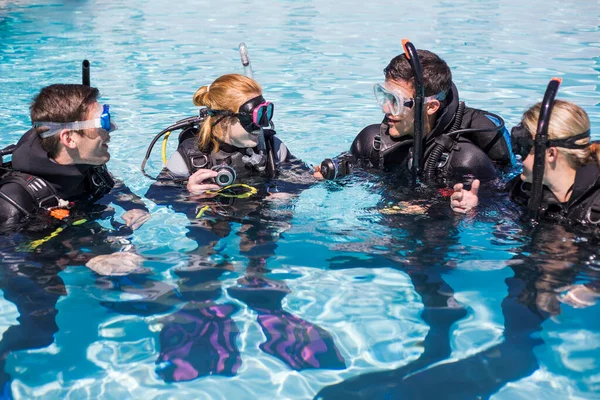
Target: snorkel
<point x="246" y="60"/>
<point x="85" y="73"/>
<point x="265" y="147"/>
<point x="540" y="144"/>
<point x="411" y="54"/>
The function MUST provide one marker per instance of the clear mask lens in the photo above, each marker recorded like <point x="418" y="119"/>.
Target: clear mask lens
<point x="391" y="102"/>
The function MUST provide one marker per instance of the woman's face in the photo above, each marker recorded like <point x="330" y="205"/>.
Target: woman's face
<point x="527" y="173"/>
<point x="237" y="136"/>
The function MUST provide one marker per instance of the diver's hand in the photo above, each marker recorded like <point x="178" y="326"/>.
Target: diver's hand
<point x="579" y="296"/>
<point x="135" y="218"/>
<point x="199" y="183"/>
<point x="117" y="264"/>
<point x="317" y="174"/>
<point x="463" y="200"/>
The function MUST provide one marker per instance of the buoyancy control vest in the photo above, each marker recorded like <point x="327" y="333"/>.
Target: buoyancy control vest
<point x="245" y="161"/>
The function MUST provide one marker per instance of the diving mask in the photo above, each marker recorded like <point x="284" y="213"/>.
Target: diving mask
<point x="102" y="122"/>
<point x="393" y="102"/>
<point x="253" y="115"/>
<point x="522" y="141"/>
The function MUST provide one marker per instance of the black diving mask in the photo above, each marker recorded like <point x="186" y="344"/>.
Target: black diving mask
<point x="523" y="141"/>
<point x="253" y="115"/>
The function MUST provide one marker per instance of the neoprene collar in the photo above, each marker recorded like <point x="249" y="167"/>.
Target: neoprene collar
<point x="69" y="181"/>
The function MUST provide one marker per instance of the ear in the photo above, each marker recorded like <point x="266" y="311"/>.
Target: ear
<point x="67" y="138"/>
<point x="432" y="107"/>
<point x="551" y="154"/>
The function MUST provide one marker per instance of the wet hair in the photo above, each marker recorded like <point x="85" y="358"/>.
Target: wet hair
<point x="437" y="76"/>
<point x="61" y="103"/>
<point x="567" y="119"/>
<point x="228" y="92"/>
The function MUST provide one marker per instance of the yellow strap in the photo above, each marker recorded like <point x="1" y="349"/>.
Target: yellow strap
<point x="202" y="211"/>
<point x="37" y="243"/>
<point x="164" y="147"/>
<point x="251" y="191"/>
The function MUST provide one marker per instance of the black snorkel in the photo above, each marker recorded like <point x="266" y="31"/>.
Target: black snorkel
<point x="85" y="73"/>
<point x="415" y="64"/>
<point x="540" y="145"/>
<point x="265" y="146"/>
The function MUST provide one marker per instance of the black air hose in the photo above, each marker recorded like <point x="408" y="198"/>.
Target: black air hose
<point x="438" y="148"/>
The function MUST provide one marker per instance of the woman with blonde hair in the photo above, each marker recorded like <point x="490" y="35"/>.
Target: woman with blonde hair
<point x="235" y="137"/>
<point x="222" y="153"/>
<point x="571" y="178"/>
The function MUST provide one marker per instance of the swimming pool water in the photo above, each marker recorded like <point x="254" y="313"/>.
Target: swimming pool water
<point x="422" y="305"/>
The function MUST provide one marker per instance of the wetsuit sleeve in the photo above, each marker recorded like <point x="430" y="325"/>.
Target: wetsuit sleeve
<point x="122" y="196"/>
<point x="469" y="159"/>
<point x="177" y="165"/>
<point x="282" y="154"/>
<point x="10" y="215"/>
<point x="362" y="145"/>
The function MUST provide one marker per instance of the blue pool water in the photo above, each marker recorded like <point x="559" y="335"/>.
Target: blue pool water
<point x="427" y="305"/>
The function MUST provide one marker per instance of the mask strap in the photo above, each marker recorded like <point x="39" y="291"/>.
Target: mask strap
<point x="569" y="143"/>
<point x="224" y="114"/>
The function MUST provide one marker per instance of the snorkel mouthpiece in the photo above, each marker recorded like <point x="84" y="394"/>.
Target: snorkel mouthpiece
<point x="415" y="64"/>
<point x="540" y="144"/>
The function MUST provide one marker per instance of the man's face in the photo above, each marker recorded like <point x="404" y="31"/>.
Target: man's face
<point x="400" y="125"/>
<point x="93" y="144"/>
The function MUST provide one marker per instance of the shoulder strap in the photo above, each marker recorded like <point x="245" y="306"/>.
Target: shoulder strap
<point x="193" y="156"/>
<point x="41" y="191"/>
<point x="376" y="155"/>
<point x="101" y="181"/>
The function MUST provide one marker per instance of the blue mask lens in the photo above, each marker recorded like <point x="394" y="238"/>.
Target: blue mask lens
<point x="264" y="115"/>
<point x="105" y="118"/>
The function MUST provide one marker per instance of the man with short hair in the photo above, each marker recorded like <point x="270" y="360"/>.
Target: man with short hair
<point x="61" y="162"/>
<point x="457" y="140"/>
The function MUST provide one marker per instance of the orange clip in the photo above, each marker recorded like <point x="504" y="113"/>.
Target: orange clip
<point x="59" y="213"/>
<point x="404" y="41"/>
<point x="559" y="80"/>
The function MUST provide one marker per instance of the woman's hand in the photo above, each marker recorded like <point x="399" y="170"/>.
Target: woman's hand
<point x="198" y="183"/>
<point x="463" y="200"/>
<point x="317" y="174"/>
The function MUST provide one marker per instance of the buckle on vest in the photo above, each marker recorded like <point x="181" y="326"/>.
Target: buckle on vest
<point x="48" y="202"/>
<point x="201" y="164"/>
<point x="377" y="143"/>
<point x="596" y="215"/>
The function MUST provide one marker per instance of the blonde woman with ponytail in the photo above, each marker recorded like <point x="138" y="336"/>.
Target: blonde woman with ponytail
<point x="571" y="175"/>
<point x="236" y="115"/>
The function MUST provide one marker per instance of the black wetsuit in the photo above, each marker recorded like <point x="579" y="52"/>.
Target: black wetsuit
<point x="79" y="183"/>
<point x="583" y="206"/>
<point x="478" y="154"/>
